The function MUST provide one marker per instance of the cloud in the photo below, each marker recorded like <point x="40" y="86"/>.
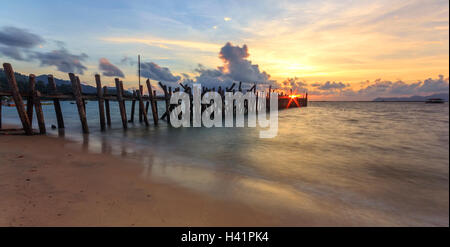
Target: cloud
<point x="153" y="71"/>
<point x="16" y="41"/>
<point x="16" y="37"/>
<point x="109" y="69"/>
<point x="236" y="67"/>
<point x="227" y="19"/>
<point x="296" y="84"/>
<point x="165" y="43"/>
<point x="383" y="88"/>
<point x="330" y="85"/>
<point x="63" y="60"/>
<point x="401" y="88"/>
<point x="12" y="52"/>
<point x="438" y="85"/>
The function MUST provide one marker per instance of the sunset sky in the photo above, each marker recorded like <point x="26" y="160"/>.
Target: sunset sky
<point x="334" y="49"/>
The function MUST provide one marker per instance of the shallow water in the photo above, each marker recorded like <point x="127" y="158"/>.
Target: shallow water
<point x="352" y="163"/>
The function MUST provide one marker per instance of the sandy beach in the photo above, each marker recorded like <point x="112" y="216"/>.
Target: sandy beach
<point x="48" y="181"/>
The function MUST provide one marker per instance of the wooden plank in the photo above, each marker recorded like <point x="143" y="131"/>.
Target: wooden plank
<point x="39" y="113"/>
<point x="107" y="110"/>
<point x="133" y="106"/>
<point x="56" y="104"/>
<point x="121" y="104"/>
<point x="79" y="101"/>
<point x="30" y="100"/>
<point x="101" y="103"/>
<point x="9" y="73"/>
<point x="141" y="105"/>
<point x="152" y="96"/>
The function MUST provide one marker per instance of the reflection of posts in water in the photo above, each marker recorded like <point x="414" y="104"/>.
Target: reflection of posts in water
<point x="106" y="147"/>
<point x="1" y="112"/>
<point x="85" y="142"/>
<point x="61" y="133"/>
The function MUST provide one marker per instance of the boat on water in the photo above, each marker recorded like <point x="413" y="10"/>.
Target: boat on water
<point x="434" y="101"/>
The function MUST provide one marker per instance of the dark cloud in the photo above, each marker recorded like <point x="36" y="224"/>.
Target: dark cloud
<point x="330" y="85"/>
<point x="12" y="52"/>
<point x="17" y="43"/>
<point x="128" y="61"/>
<point x="14" y="42"/>
<point x="401" y="88"/>
<point x="237" y="67"/>
<point x="16" y="37"/>
<point x="63" y="60"/>
<point x="296" y="84"/>
<point x="153" y="71"/>
<point x="109" y="69"/>
<point x="438" y="85"/>
<point x="380" y="88"/>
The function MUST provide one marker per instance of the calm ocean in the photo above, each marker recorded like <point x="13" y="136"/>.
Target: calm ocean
<point x="361" y="163"/>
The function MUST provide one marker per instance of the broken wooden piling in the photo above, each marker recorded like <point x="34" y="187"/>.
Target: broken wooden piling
<point x="30" y="100"/>
<point x="152" y="98"/>
<point x="101" y="104"/>
<point x="121" y="102"/>
<point x="141" y="105"/>
<point x="39" y="113"/>
<point x="53" y="90"/>
<point x="107" y="110"/>
<point x="133" y="106"/>
<point x="79" y="101"/>
<point x="9" y="72"/>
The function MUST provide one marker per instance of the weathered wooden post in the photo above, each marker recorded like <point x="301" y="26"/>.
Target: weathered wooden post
<point x="167" y="100"/>
<point x="155" y="102"/>
<point x="81" y="93"/>
<point x="79" y="100"/>
<point x="123" y="114"/>
<point x="140" y="109"/>
<point x="108" y="114"/>
<point x="39" y="113"/>
<point x="101" y="104"/>
<point x="122" y="91"/>
<point x="56" y="104"/>
<point x="9" y="72"/>
<point x="141" y="105"/>
<point x="133" y="106"/>
<point x="30" y="100"/>
<point x="152" y="97"/>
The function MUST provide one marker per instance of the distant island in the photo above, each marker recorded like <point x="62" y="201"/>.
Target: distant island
<point x="415" y="98"/>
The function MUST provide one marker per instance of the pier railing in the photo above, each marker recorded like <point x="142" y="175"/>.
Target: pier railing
<point x="34" y="98"/>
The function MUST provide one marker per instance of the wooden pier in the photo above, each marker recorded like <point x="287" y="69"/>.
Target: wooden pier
<point x="103" y="97"/>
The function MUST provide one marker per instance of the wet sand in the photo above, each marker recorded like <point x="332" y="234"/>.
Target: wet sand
<point x="53" y="181"/>
<point x="45" y="181"/>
